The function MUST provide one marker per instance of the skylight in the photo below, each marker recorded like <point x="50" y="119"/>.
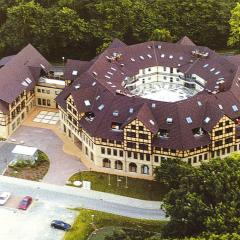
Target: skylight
<point x="94" y="83"/>
<point x="149" y="46"/>
<point x="152" y="122"/>
<point x="162" y="55"/>
<point x="234" y="108"/>
<point x="171" y="56"/>
<point x="149" y="55"/>
<point x="207" y="119"/>
<point x="106" y="76"/>
<point x="199" y="103"/>
<point x="206" y="65"/>
<point x="216" y="73"/>
<point x="94" y="73"/>
<point x="42" y="66"/>
<point x="116" y="113"/>
<point x="28" y="80"/>
<point x="130" y="110"/>
<point x="87" y="103"/>
<point x="97" y="97"/>
<point x="132" y="59"/>
<point x="153" y="105"/>
<point x="24" y="83"/>
<point x="169" y="120"/>
<point x="189" y="120"/>
<point x="74" y="72"/>
<point x="101" y="107"/>
<point x="159" y="46"/>
<point x="141" y="57"/>
<point x="220" y="106"/>
<point x="77" y="86"/>
<point x="212" y="69"/>
<point x="110" y="73"/>
<point x="114" y="69"/>
<point x="181" y="58"/>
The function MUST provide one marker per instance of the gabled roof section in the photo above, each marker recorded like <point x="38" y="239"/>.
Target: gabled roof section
<point x="21" y="73"/>
<point x="186" y="41"/>
<point x="145" y="115"/>
<point x="116" y="43"/>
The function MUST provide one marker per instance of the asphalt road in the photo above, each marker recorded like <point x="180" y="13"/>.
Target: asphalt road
<point x="63" y="199"/>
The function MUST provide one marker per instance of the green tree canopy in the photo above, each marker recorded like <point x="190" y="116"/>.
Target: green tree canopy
<point x="206" y="199"/>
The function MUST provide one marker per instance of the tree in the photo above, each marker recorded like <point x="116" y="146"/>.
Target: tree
<point x="234" y="39"/>
<point x="161" y="35"/>
<point x="171" y="172"/>
<point x="205" y="200"/>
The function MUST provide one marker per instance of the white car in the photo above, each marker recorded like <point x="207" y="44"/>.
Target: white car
<point x="4" y="196"/>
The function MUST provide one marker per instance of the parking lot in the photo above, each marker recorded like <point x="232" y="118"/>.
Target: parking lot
<point x="33" y="224"/>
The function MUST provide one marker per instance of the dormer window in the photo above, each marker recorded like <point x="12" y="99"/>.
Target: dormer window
<point x="197" y="132"/>
<point x="101" y="107"/>
<point x="89" y="116"/>
<point x="116" y="126"/>
<point x="163" y="133"/>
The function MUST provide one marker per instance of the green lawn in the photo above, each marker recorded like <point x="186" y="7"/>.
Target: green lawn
<point x="82" y="226"/>
<point x="137" y="188"/>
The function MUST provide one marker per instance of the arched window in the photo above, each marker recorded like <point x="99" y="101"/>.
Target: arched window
<point x="132" y="167"/>
<point x="145" y="169"/>
<point x="118" y="165"/>
<point x="106" y="163"/>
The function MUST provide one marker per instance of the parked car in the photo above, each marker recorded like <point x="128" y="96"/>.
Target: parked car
<point x="4" y="196"/>
<point x="58" y="224"/>
<point x="25" y="202"/>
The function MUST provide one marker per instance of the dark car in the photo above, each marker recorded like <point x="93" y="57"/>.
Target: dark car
<point x="25" y="202"/>
<point x="60" y="225"/>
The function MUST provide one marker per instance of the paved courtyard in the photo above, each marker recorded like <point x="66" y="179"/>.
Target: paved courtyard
<point x="47" y="117"/>
<point x="62" y="165"/>
<point x="33" y="224"/>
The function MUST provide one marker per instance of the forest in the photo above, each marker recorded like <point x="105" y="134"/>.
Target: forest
<point x="82" y="28"/>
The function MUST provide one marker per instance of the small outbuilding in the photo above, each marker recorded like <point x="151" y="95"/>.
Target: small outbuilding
<point x="25" y="153"/>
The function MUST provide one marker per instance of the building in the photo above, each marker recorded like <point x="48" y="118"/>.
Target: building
<point x="26" y="80"/>
<point x="133" y="106"/>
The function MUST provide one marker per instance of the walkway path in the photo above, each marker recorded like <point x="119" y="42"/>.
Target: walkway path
<point x="71" y="197"/>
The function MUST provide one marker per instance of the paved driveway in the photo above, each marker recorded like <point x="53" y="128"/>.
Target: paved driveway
<point x="62" y="165"/>
<point x="33" y="224"/>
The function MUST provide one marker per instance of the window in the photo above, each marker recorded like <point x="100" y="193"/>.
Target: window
<point x="145" y="169"/>
<point x="39" y="90"/>
<point x="131" y="145"/>
<point x="121" y="153"/>
<point x="135" y="155"/>
<point x="102" y="150"/>
<point x="207" y="119"/>
<point x="229" y="130"/>
<point x="114" y="152"/>
<point x="200" y="157"/>
<point x="205" y="156"/>
<point x="229" y="140"/>
<point x="141" y="156"/>
<point x="48" y="103"/>
<point x="106" y="163"/>
<point x="218" y="132"/>
<point x="148" y="157"/>
<point x="109" y="151"/>
<point x="44" y="102"/>
<point x="189" y="161"/>
<point x="129" y="154"/>
<point x="141" y="128"/>
<point x="39" y="101"/>
<point x="92" y="158"/>
<point x="143" y="136"/>
<point x="133" y="127"/>
<point x="132" y="167"/>
<point x="234" y="108"/>
<point x="118" y="165"/>
<point x="218" y="143"/>
<point x="156" y="159"/>
<point x="48" y="91"/>
<point x="131" y="134"/>
<point x="143" y="146"/>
